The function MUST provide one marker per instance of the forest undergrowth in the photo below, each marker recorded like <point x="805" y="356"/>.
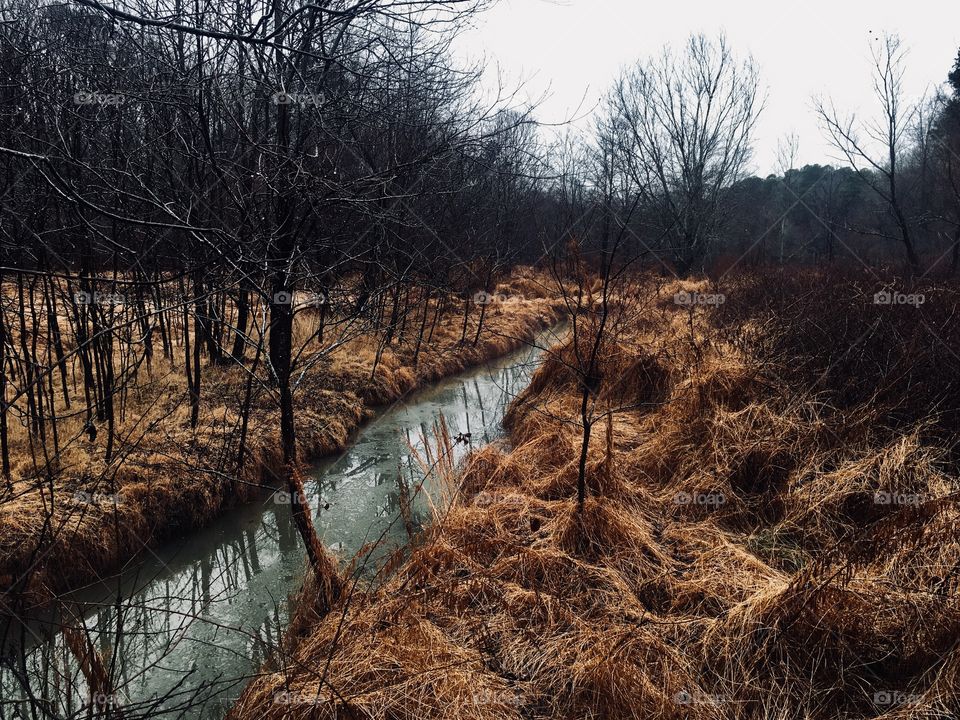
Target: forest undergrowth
<point x="72" y="517"/>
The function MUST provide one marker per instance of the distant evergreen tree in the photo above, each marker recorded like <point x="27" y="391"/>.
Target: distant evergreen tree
<point x="950" y="121"/>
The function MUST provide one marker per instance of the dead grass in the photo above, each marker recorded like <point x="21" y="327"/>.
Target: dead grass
<point x="800" y="595"/>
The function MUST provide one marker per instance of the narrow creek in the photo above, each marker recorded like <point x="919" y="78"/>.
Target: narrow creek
<point x="184" y="630"/>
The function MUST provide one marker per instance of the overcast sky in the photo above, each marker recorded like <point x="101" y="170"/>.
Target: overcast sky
<point x="572" y="49"/>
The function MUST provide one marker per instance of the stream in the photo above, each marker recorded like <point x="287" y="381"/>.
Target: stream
<point x="184" y="630"/>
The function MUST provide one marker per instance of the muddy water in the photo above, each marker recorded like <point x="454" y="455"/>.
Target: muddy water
<point x="184" y="629"/>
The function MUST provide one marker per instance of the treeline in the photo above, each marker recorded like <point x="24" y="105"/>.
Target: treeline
<point x="668" y="164"/>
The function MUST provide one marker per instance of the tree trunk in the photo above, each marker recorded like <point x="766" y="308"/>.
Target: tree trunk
<point x="243" y="313"/>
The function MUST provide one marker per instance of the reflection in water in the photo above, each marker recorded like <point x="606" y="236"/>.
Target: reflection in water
<point x="182" y="632"/>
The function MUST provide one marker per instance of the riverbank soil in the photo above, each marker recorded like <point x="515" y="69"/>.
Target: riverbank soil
<point x="73" y="516"/>
<point x="770" y="528"/>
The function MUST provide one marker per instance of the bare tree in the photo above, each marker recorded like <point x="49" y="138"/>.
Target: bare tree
<point x="788" y="149"/>
<point x="684" y="123"/>
<point x="874" y="148"/>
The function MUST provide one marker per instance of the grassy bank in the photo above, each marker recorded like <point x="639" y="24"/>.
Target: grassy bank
<point x="771" y="531"/>
<point x="88" y="517"/>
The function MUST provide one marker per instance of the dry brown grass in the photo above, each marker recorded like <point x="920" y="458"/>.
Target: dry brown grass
<point x="170" y="479"/>
<point x="798" y="596"/>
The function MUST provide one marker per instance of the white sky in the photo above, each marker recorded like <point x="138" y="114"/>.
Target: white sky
<point x="573" y="49"/>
